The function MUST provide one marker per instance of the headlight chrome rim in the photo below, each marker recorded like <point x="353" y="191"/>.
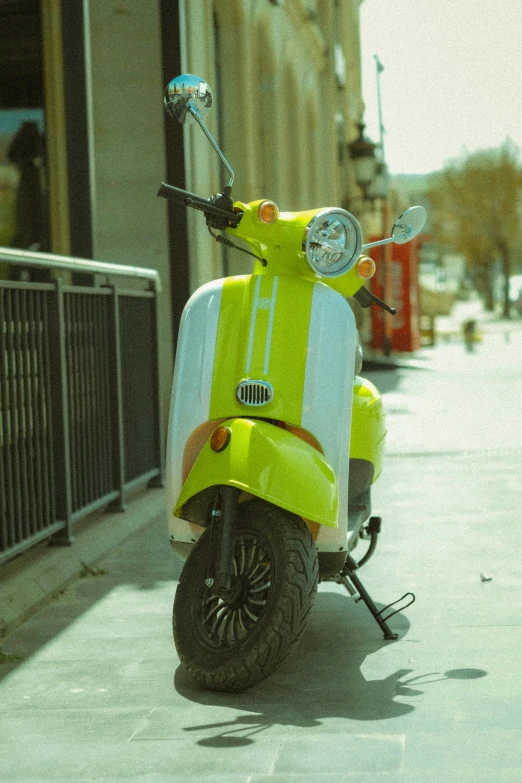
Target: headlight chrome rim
<point x="349" y="254"/>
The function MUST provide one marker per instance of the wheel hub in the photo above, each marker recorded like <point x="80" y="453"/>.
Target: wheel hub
<point x="229" y="617"/>
<point x="236" y="594"/>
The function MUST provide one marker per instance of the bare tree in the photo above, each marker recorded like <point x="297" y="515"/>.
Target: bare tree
<point x="475" y="210"/>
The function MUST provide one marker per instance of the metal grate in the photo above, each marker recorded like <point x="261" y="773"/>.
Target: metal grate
<point x="27" y="493"/>
<point x="137" y="361"/>
<point x="255" y="393"/>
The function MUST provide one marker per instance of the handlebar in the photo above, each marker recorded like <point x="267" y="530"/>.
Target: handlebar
<point x="221" y="218"/>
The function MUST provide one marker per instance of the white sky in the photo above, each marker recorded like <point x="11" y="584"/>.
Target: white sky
<point x="452" y="77"/>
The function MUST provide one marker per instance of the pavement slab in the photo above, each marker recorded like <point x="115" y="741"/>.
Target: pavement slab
<point x="98" y="692"/>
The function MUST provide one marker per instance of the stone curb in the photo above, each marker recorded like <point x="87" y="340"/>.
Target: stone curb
<point x="32" y="579"/>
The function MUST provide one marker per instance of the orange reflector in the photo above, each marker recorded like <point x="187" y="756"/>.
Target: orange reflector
<point x="220" y="439"/>
<point x="365" y="267"/>
<point x="268" y="212"/>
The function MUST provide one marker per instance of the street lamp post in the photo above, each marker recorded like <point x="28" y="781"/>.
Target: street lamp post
<point x="379" y="67"/>
<point x="383" y="176"/>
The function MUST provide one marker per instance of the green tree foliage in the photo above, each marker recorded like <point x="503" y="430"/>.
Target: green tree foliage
<point x="475" y="210"/>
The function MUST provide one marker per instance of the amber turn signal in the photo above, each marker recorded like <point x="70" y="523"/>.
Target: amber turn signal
<point x="365" y="267"/>
<point x="220" y="439"/>
<point x="268" y="212"/>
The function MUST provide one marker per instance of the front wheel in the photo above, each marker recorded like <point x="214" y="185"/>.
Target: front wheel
<point x="231" y="644"/>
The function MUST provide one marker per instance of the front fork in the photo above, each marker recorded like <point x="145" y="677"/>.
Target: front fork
<point x="224" y="519"/>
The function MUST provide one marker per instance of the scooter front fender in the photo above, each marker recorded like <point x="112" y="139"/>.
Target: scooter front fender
<point x="270" y="463"/>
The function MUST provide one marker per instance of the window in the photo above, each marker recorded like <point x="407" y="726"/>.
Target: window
<point x="23" y="181"/>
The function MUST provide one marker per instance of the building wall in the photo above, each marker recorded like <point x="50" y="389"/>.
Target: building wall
<point x="287" y="96"/>
<point x="127" y="146"/>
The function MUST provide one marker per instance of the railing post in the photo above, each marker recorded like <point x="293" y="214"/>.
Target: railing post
<point x="60" y="418"/>
<point x="159" y="480"/>
<point x="117" y="406"/>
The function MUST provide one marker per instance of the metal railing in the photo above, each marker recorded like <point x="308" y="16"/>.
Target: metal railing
<point x="79" y="395"/>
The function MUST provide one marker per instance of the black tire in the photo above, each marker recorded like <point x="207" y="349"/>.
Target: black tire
<point x="230" y="646"/>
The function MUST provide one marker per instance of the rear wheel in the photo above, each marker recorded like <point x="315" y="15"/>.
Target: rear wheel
<point x="231" y="644"/>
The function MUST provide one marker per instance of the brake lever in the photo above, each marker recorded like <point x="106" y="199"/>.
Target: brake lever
<point x="366" y="298"/>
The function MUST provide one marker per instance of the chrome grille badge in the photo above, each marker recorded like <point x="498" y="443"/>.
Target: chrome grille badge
<point x="254" y="393"/>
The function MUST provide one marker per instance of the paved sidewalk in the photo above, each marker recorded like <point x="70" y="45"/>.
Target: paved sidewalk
<point x="30" y="580"/>
<point x="100" y="695"/>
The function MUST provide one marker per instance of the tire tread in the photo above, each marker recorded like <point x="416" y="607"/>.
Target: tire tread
<point x="279" y="631"/>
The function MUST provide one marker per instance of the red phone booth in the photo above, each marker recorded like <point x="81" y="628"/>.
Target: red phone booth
<point x="397" y="282"/>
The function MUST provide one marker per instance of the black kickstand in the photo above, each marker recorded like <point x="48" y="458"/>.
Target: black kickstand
<point x="349" y="579"/>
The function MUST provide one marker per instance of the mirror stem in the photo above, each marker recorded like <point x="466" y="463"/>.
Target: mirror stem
<point x="192" y="109"/>
<point x="378" y="243"/>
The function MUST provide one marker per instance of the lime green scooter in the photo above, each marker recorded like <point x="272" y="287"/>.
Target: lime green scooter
<point x="274" y="441"/>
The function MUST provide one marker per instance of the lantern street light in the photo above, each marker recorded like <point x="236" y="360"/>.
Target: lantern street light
<point x="362" y="153"/>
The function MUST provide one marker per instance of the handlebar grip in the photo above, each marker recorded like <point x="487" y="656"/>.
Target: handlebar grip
<point x="187" y="199"/>
<point x="365" y="298"/>
<point x="179" y="195"/>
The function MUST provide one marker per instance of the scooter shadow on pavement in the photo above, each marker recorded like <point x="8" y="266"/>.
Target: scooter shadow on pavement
<point x="321" y="680"/>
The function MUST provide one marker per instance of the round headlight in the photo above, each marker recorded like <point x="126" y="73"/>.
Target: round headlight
<point x="332" y="242"/>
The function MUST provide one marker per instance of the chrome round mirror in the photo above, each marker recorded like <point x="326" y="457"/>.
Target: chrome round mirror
<point x="409" y="224"/>
<point x="186" y="96"/>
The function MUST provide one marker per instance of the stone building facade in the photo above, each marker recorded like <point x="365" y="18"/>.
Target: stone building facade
<point x="287" y="90"/>
<point x="287" y="99"/>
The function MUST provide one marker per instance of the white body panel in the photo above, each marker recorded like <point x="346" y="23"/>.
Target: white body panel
<point x="327" y="399"/>
<point x="327" y="393"/>
<point x="191" y="388"/>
